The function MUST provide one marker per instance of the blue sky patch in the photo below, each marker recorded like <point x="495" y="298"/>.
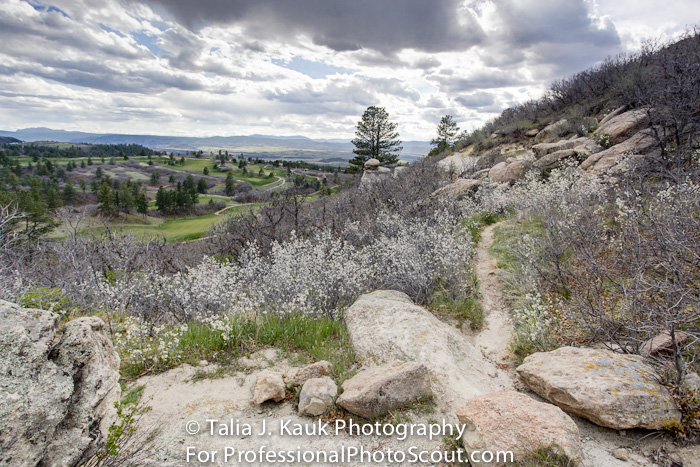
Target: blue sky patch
<point x="315" y="70"/>
<point x="150" y="42"/>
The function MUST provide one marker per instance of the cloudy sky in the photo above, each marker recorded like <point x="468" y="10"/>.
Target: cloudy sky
<point x="301" y="67"/>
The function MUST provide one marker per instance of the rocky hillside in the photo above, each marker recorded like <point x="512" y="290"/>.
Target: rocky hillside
<point x="641" y="108"/>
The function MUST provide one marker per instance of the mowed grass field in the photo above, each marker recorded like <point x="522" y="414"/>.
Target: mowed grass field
<point x="174" y="229"/>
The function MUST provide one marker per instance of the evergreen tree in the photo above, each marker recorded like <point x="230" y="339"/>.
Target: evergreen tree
<point x="230" y="184"/>
<point x="202" y="186"/>
<point x="447" y="131"/>
<point x="162" y="200"/>
<point x="188" y="184"/>
<point x="105" y="196"/>
<point x="375" y="138"/>
<point x="69" y="194"/>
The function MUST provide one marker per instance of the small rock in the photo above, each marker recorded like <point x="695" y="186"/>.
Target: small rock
<point x="203" y="363"/>
<point x="691" y="382"/>
<point x="315" y="370"/>
<point x="269" y="385"/>
<point x="621" y="454"/>
<point x="317" y="396"/>
<point x="379" y="390"/>
<point x="662" y="343"/>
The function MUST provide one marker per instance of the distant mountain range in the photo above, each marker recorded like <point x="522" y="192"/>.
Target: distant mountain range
<point x="251" y="144"/>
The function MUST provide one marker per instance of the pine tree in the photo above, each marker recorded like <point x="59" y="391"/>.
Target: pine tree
<point x="230" y="185"/>
<point x="202" y="186"/>
<point x="375" y="138"/>
<point x="447" y="131"/>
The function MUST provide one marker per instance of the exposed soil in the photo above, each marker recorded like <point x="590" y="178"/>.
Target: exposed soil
<point x="498" y="329"/>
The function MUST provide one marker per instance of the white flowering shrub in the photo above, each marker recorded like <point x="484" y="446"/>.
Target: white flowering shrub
<point x="318" y="276"/>
<point x="535" y="323"/>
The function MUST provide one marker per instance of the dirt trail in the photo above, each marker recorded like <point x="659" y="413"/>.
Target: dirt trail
<point x="496" y="334"/>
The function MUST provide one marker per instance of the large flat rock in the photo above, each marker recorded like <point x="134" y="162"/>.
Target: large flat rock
<point x="612" y="390"/>
<point x="386" y="325"/>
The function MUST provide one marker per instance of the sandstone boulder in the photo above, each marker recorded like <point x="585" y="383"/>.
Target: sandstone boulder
<point x="509" y="173"/>
<point x="623" y="126"/>
<point x="457" y="189"/>
<point x="315" y="370"/>
<point x="612" y="114"/>
<point x="386" y="325"/>
<point x="57" y="395"/>
<point x="372" y="164"/>
<point x="691" y="382"/>
<point x="269" y="385"/>
<point x="86" y="353"/>
<point x="373" y="175"/>
<point x="612" y="390"/>
<point x="552" y="132"/>
<point x="317" y="396"/>
<point x="459" y="162"/>
<point x="663" y="343"/>
<point x="555" y="159"/>
<point x="542" y="149"/>
<point x="511" y="421"/>
<point x="601" y="162"/>
<point x="379" y="390"/>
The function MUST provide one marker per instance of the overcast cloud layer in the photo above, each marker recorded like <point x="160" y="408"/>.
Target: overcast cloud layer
<point x="303" y="67"/>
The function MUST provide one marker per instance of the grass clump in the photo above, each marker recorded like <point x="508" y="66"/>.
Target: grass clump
<point x="463" y="310"/>
<point x="144" y="349"/>
<point x="133" y="397"/>
<point x="546" y="456"/>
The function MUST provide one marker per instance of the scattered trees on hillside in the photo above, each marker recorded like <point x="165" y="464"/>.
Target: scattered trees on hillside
<point x="375" y="138"/>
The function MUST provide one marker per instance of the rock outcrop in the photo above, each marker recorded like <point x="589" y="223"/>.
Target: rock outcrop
<point x="511" y="421"/>
<point x="317" y="396"/>
<point x="386" y="325"/>
<point x="600" y="163"/>
<point x="379" y="390"/>
<point x="57" y="391"/>
<point x="555" y="159"/>
<point x="373" y="173"/>
<point x="509" y="172"/>
<point x="269" y="385"/>
<point x="552" y="132"/>
<point x="612" y="390"/>
<point x="457" y="189"/>
<point x="623" y="126"/>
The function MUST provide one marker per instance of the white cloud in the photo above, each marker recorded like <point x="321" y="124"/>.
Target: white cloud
<point x="244" y="66"/>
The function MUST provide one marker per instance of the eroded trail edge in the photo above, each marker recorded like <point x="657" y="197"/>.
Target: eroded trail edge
<point x="497" y="332"/>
